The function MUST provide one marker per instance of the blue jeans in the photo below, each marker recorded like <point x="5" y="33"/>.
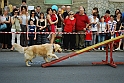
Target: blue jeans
<point x="101" y="38"/>
<point x="94" y="37"/>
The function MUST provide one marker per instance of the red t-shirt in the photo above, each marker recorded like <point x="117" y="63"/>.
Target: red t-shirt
<point x="88" y="36"/>
<point x="69" y="25"/>
<point x="81" y="22"/>
<point x="107" y="19"/>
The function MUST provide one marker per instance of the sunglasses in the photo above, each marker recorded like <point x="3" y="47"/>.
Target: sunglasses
<point x="71" y="14"/>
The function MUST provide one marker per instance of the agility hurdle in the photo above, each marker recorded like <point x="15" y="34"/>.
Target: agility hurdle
<point x="107" y="43"/>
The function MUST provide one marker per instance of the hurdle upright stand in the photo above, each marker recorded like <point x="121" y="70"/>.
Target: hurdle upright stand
<point x="106" y="62"/>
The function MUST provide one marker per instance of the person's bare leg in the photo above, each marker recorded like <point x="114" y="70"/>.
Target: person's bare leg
<point x="52" y="38"/>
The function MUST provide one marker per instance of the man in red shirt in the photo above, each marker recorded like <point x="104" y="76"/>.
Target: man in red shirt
<point x="82" y="22"/>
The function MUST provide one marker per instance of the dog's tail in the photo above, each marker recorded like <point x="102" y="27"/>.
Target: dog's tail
<point x="19" y="48"/>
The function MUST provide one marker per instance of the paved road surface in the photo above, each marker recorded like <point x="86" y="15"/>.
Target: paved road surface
<point x="74" y="70"/>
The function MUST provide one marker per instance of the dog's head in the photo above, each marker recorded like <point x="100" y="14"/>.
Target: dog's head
<point x="57" y="48"/>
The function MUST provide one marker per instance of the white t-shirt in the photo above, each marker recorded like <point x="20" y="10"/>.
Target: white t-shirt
<point x="24" y="19"/>
<point x="102" y="27"/>
<point x="94" y="26"/>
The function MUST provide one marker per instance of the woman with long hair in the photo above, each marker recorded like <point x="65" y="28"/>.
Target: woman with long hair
<point x="41" y="25"/>
<point x="24" y="25"/>
<point x="52" y="25"/>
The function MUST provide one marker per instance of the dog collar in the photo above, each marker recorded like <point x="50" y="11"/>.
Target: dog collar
<point x="53" y="48"/>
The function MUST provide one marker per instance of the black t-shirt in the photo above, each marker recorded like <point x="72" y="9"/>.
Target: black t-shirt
<point x="59" y="24"/>
<point x="118" y="24"/>
<point x="65" y="14"/>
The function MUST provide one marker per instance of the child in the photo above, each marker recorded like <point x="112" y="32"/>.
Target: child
<point x="102" y="31"/>
<point x="88" y="37"/>
<point x="31" y="36"/>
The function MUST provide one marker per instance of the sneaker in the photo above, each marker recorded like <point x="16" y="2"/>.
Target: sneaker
<point x="102" y="48"/>
<point x="65" y="49"/>
<point x="117" y="49"/>
<point x="98" y="48"/>
<point x="72" y="49"/>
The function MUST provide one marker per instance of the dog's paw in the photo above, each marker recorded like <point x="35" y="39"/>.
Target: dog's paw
<point x="28" y="65"/>
<point x="57" y="58"/>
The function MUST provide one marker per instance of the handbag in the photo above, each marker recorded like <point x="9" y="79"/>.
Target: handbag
<point x="3" y="26"/>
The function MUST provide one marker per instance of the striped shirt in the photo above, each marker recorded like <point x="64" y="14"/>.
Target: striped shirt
<point x="112" y="25"/>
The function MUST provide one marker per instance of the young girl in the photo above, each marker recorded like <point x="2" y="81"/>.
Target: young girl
<point x="31" y="36"/>
<point x="102" y="30"/>
<point x="95" y="25"/>
<point x="112" y="26"/>
<point x="88" y="36"/>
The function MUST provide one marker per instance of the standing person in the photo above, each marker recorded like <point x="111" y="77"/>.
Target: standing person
<point x="60" y="20"/>
<point x="79" y="9"/>
<point x="59" y="26"/>
<point x="82" y="22"/>
<point x="90" y="16"/>
<point x="41" y="27"/>
<point x="16" y="21"/>
<point x="68" y="9"/>
<point x="38" y="10"/>
<point x="116" y="12"/>
<point x="118" y="19"/>
<point x="6" y="38"/>
<point x="69" y="39"/>
<point x="97" y="11"/>
<point x="95" y="25"/>
<point x="24" y="25"/>
<point x="121" y="33"/>
<point x="112" y="26"/>
<point x="88" y="37"/>
<point x="51" y="24"/>
<point x="22" y="5"/>
<point x="63" y="9"/>
<point x="102" y="31"/>
<point x="12" y="13"/>
<point x="31" y="36"/>
<point x="107" y="16"/>
<point x="33" y="17"/>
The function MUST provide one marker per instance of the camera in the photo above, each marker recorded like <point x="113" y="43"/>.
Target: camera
<point x="16" y="17"/>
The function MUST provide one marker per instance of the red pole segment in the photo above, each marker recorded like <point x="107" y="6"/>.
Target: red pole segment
<point x="111" y="57"/>
<point x="103" y="61"/>
<point x="58" y="60"/>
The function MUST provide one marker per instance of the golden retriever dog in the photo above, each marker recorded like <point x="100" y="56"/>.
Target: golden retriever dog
<point x="44" y="50"/>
